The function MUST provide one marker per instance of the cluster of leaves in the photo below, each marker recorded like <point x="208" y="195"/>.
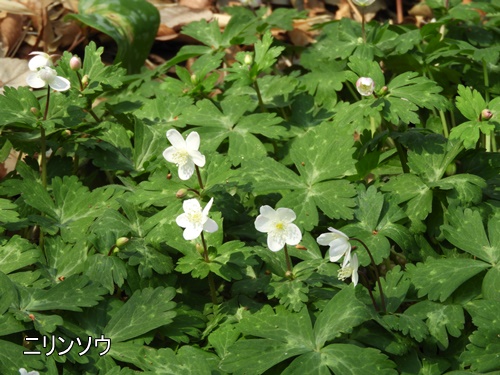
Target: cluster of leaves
<point x="411" y="171"/>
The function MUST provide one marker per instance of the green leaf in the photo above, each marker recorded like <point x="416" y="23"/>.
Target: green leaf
<point x="12" y="358"/>
<point x="265" y="55"/>
<point x="407" y="324"/>
<point x="466" y="231"/>
<point x="16" y="253"/>
<point x="482" y="352"/>
<point x="107" y="270"/>
<point x="283" y="335"/>
<point x="64" y="259"/>
<point x="352" y="359"/>
<point x="139" y="252"/>
<point x="16" y="104"/>
<point x="144" y="311"/>
<point x="468" y="188"/>
<point x="417" y="90"/>
<point x="8" y="213"/>
<point x="439" y="278"/>
<point x="133" y="25"/>
<point x="470" y="103"/>
<point x="490" y="282"/>
<point x="291" y="293"/>
<point x="187" y="360"/>
<point x="340" y="315"/>
<point x="395" y="285"/>
<point x="71" y="294"/>
<point x="442" y="320"/>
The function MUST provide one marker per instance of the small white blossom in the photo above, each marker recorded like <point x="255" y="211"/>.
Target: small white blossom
<point x="46" y="75"/>
<point x="338" y="242"/>
<point x="363" y="3"/>
<point x="195" y="220"/>
<point x="278" y="226"/>
<point x="22" y="371"/>
<point x="365" y="86"/>
<point x="184" y="153"/>
<point x="251" y="3"/>
<point x="350" y="269"/>
<point x="41" y="59"/>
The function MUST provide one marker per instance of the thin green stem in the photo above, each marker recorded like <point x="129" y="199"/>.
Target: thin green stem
<point x="488" y="137"/>
<point x="200" y="182"/>
<point x="259" y="96"/>
<point x="288" y="263"/>
<point x="43" y="162"/>
<point x="382" y="298"/>
<point x="444" y="123"/>
<point x="211" y="282"/>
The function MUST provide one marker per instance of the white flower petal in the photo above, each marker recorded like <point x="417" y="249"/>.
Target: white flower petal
<point x="338" y="247"/>
<point x="197" y="157"/>
<point x="285" y="214"/>
<point x="191" y="205"/>
<point x="292" y="234"/>
<point x="186" y="170"/>
<point x="42" y="59"/>
<point x="60" y="84"/>
<point x="338" y="233"/>
<point x="210" y="226"/>
<point x="193" y="141"/>
<point x="190" y="233"/>
<point x="208" y="207"/>
<point x="175" y="138"/>
<point x="33" y="80"/>
<point x="169" y="153"/>
<point x="354" y="265"/>
<point x="263" y="224"/>
<point x="267" y="211"/>
<point x="325" y="239"/>
<point x="183" y="221"/>
<point x="275" y="242"/>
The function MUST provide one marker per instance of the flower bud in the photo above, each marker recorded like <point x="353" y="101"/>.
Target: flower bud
<point x="485" y="115"/>
<point x="35" y="111"/>
<point x="75" y="63"/>
<point x="66" y="133"/>
<point x="181" y="193"/>
<point x="363" y="3"/>
<point x="121" y="241"/>
<point x="451" y="169"/>
<point x="365" y="86"/>
<point x="248" y="59"/>
<point x="85" y="80"/>
<point x="193" y="78"/>
<point x="199" y="248"/>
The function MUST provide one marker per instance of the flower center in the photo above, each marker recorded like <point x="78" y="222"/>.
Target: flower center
<point x="195" y="218"/>
<point x="47" y="74"/>
<point x="345" y="272"/>
<point x="180" y="157"/>
<point x="280" y="226"/>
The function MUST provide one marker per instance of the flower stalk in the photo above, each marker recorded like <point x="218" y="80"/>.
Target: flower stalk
<point x="210" y="277"/>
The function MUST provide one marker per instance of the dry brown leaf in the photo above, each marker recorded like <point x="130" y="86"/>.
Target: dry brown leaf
<point x="11" y="31"/>
<point x="14" y="7"/>
<point x="176" y="16"/>
<point x="13" y="72"/>
<point x="197" y="4"/>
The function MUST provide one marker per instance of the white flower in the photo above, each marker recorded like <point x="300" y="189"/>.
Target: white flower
<point x="22" y="371"/>
<point x="41" y="59"/>
<point x="251" y="3"/>
<point x="338" y="242"/>
<point x="350" y="269"/>
<point x="365" y="86"/>
<point x="194" y="220"/>
<point x="184" y="153"/>
<point x="46" y="75"/>
<point x="363" y="3"/>
<point x="278" y="226"/>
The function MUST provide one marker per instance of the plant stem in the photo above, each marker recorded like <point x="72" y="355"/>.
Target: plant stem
<point x="444" y="123"/>
<point x="488" y="138"/>
<point x="211" y="282"/>
<point x="259" y="96"/>
<point x="287" y="259"/>
<point x="200" y="182"/>
<point x="363" y="20"/>
<point x="382" y="299"/>
<point x="370" y="291"/>
<point x="43" y="162"/>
